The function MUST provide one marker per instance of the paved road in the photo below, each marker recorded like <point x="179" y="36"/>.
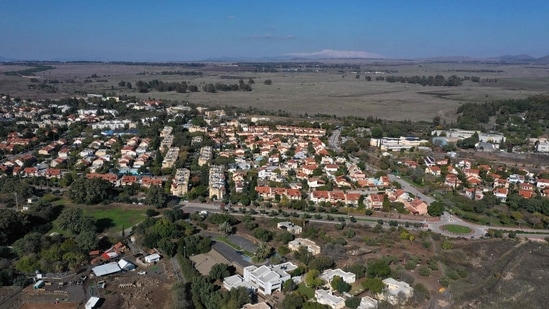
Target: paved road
<point x="333" y="140"/>
<point x="409" y="188"/>
<point x="478" y="230"/>
<point x="430" y="223"/>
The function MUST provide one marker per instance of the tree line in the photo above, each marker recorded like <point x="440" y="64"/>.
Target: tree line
<point x="437" y="80"/>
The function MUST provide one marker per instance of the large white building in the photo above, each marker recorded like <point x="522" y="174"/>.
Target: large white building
<point x="266" y="279"/>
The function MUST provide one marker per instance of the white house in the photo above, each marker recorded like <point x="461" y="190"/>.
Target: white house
<point x="395" y="291"/>
<point x="153" y="258"/>
<point x="542" y="183"/>
<point x="290" y="227"/>
<point x="325" y="297"/>
<point x="329" y="274"/>
<point x="368" y="302"/>
<point x="311" y="246"/>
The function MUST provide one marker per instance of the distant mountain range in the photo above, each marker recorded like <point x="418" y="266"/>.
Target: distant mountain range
<point x="333" y="55"/>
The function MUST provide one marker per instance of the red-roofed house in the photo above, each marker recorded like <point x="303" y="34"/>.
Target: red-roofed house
<point x="147" y="182"/>
<point x="433" y="170"/>
<point x="337" y="196"/>
<point x="320" y="196"/>
<point x="417" y="206"/>
<point x="374" y="201"/>
<point x="53" y="173"/>
<point x="293" y="194"/>
<point x="352" y="198"/>
<point x="128" y="180"/>
<point x="264" y="191"/>
<point x="501" y="193"/>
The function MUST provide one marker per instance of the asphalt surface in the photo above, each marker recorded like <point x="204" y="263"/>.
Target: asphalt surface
<point x="230" y="254"/>
<point x="409" y="188"/>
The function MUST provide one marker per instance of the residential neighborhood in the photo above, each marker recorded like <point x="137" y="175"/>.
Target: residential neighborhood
<point x="271" y="209"/>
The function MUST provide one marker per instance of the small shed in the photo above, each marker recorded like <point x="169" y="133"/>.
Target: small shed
<point x="92" y="302"/>
<point x="39" y="284"/>
<point x="125" y="265"/>
<point x="153" y="258"/>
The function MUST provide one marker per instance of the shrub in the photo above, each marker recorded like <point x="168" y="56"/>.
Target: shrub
<point x="424" y="271"/>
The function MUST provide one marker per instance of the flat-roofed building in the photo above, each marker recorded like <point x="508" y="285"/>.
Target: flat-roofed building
<point x="311" y="246"/>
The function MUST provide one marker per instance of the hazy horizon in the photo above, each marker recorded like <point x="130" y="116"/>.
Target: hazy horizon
<point x="178" y="31"/>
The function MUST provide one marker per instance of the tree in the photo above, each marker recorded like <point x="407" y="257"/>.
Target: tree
<point x="377" y="132"/>
<point x="13" y="225"/>
<point x="321" y="263"/>
<point x="340" y="285"/>
<point x="156" y="196"/>
<point x="219" y="271"/>
<point x="73" y="220"/>
<point x="292" y="301"/>
<point x="263" y="234"/>
<point x="374" y="285"/>
<point x="436" y="209"/>
<point x="312" y="279"/>
<point x="288" y="286"/>
<point x="226" y="228"/>
<point x="30" y="243"/>
<point x="263" y="251"/>
<point x="89" y="191"/>
<point x="87" y="240"/>
<point x="378" y="269"/>
<point x="358" y="269"/>
<point x="352" y="302"/>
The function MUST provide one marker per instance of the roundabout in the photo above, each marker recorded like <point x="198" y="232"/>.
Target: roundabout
<point x="457" y="229"/>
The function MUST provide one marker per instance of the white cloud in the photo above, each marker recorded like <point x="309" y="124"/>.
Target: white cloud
<point x="330" y="53"/>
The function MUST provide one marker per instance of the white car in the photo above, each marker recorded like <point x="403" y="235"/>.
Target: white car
<point x="142" y="273"/>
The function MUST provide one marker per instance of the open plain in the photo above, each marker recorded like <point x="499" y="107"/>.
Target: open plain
<point x="298" y="89"/>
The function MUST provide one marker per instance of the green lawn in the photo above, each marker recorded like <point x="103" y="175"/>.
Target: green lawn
<point x="115" y="217"/>
<point x="305" y="291"/>
<point x="457" y="229"/>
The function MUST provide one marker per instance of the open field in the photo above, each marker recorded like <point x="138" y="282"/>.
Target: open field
<point x="115" y="218"/>
<point x="332" y="91"/>
<point x="112" y="217"/>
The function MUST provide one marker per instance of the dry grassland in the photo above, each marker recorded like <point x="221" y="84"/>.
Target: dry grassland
<point x="331" y="92"/>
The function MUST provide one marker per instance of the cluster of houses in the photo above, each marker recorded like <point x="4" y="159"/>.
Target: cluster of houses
<point x="474" y="181"/>
<point x="267" y="279"/>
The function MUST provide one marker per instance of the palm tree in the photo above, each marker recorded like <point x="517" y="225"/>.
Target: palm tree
<point x="226" y="228"/>
<point x="263" y="251"/>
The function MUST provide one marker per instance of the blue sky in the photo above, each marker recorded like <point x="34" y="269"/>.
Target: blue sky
<point x="171" y="30"/>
